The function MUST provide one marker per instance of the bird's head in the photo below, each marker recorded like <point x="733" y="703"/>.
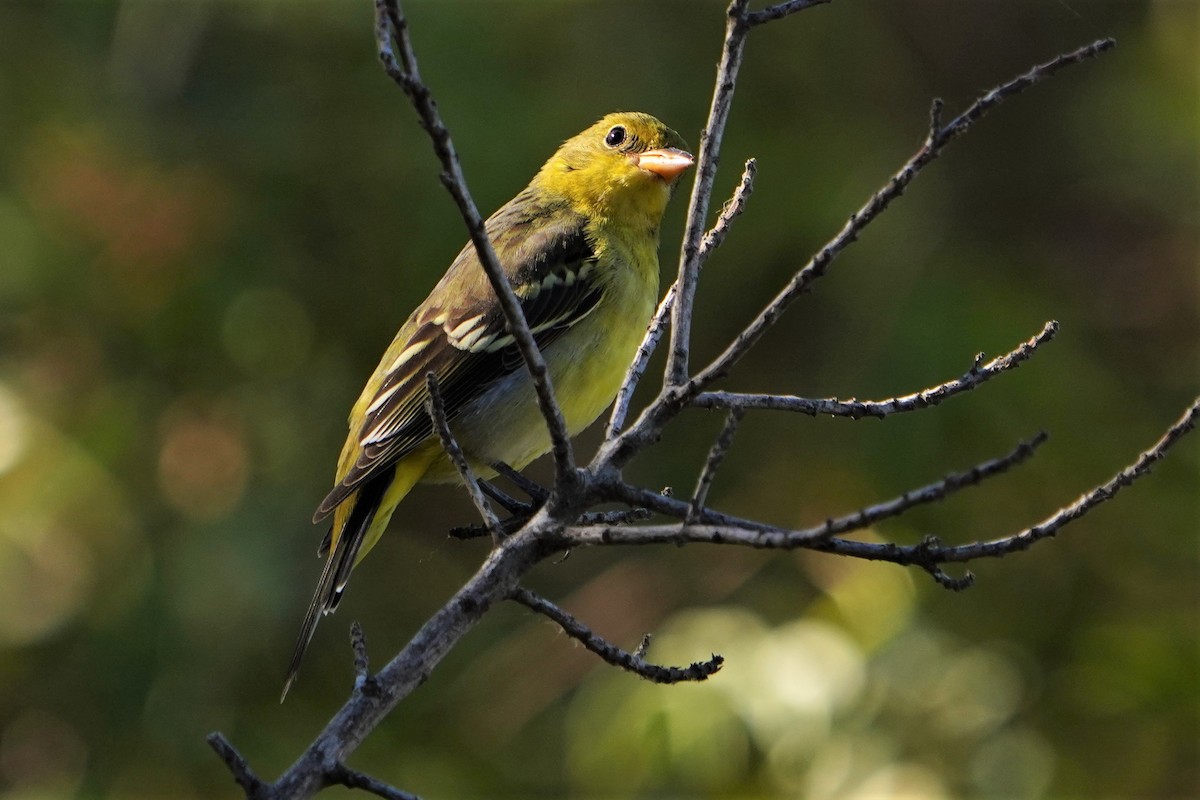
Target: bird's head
<point x="622" y="167"/>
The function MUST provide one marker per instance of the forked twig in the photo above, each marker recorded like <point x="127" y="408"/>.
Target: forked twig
<point x="551" y="528"/>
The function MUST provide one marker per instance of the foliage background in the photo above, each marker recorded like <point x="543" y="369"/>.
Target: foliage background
<point x="213" y="215"/>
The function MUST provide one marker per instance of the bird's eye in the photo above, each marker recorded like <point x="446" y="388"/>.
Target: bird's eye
<point x="615" y="137"/>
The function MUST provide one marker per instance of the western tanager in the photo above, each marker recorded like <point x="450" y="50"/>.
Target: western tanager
<point x="580" y="248"/>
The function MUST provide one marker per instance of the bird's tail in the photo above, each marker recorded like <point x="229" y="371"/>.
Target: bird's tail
<point x="373" y="505"/>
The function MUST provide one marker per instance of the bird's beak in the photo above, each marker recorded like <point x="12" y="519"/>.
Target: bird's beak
<point x="667" y="163"/>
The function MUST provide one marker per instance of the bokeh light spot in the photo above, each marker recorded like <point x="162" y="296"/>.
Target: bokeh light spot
<point x="1015" y="763"/>
<point x="267" y="332"/>
<point x="12" y="430"/>
<point x="203" y="465"/>
<point x="41" y="755"/>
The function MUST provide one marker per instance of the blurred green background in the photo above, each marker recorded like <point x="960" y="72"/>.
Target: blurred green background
<point x="213" y="216"/>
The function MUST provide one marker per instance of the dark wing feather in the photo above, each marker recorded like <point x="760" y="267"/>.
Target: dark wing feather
<point x="464" y="340"/>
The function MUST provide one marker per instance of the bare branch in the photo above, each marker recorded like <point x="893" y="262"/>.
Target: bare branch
<point x="959" y="125"/>
<point x="716" y="527"/>
<point x="390" y="24"/>
<point x="509" y="503"/>
<point x="858" y="221"/>
<point x="736" y="29"/>
<point x="537" y="493"/>
<point x="715" y="456"/>
<point x="933" y="492"/>
<point x="1085" y="503"/>
<point x="437" y="413"/>
<point x="658" y="324"/>
<point x="612" y="654"/>
<point x="654" y="333"/>
<point x="242" y="774"/>
<point x="542" y="532"/>
<point x="856" y="409"/>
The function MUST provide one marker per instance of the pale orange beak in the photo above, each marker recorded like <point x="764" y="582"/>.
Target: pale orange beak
<point x="667" y="163"/>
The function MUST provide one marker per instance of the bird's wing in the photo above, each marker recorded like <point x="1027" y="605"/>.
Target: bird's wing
<point x="460" y="335"/>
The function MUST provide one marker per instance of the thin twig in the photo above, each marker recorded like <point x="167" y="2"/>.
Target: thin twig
<point x="242" y="774"/>
<point x="353" y="779"/>
<point x="931" y="493"/>
<point x="616" y="517"/>
<point x="1082" y="505"/>
<point x="658" y="324"/>
<point x="780" y="10"/>
<point x="509" y="503"/>
<point x="391" y="25"/>
<point x="537" y="493"/>
<point x="643" y="647"/>
<point x="716" y="455"/>
<point x="761" y="534"/>
<point x="856" y="409"/>
<point x="437" y="413"/>
<point x="732" y="209"/>
<point x="612" y="654"/>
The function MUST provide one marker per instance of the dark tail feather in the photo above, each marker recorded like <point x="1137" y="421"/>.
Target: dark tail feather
<point x="337" y="568"/>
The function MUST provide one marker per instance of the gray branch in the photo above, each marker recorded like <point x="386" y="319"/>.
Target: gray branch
<point x="437" y="413"/>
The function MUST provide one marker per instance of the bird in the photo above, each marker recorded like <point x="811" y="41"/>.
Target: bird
<point x="579" y="246"/>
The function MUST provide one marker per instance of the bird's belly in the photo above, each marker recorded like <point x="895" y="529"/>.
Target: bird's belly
<point x="586" y="366"/>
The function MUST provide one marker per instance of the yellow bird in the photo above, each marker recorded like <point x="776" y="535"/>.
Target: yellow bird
<point x="580" y="247"/>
